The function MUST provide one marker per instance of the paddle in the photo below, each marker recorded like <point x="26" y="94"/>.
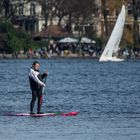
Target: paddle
<point x="45" y="79"/>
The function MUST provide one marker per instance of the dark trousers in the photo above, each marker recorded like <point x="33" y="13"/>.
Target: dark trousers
<point x="36" y="94"/>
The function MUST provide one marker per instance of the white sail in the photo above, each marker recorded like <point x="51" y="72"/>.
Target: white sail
<point x="114" y="40"/>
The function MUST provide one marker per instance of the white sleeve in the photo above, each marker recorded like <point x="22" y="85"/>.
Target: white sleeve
<point x="33" y="74"/>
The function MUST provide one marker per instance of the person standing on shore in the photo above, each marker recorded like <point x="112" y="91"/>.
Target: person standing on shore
<point x="36" y="85"/>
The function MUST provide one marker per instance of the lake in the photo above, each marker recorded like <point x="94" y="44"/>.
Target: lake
<point x="106" y="95"/>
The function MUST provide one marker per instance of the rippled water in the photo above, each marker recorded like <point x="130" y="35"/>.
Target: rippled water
<point x="107" y="95"/>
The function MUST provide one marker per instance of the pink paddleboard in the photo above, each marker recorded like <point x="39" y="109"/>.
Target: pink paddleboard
<point x="45" y="114"/>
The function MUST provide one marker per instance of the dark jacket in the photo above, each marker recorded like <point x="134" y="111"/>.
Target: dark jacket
<point x="36" y="79"/>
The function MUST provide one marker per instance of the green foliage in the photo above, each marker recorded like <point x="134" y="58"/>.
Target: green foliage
<point x="16" y="39"/>
<point x="99" y="41"/>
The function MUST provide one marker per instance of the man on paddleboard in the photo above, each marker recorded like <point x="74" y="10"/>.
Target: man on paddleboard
<point x="36" y="85"/>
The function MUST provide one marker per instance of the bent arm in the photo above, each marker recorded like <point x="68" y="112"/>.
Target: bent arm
<point x="44" y="75"/>
<point x="33" y="75"/>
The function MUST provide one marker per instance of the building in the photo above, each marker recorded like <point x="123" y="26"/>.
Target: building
<point x="28" y="15"/>
<point x="113" y="15"/>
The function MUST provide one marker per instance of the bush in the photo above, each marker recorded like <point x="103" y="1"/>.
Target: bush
<point x="16" y="39"/>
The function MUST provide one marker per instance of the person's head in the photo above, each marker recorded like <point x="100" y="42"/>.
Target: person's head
<point x="36" y="65"/>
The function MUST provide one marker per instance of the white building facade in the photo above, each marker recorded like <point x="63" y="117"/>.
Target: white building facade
<point x="28" y="15"/>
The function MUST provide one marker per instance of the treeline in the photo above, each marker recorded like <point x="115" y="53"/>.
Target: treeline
<point x="78" y="12"/>
<point x="85" y="12"/>
<point x="131" y="37"/>
<point x="15" y="39"/>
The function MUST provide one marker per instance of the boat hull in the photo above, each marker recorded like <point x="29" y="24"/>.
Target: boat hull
<point x="114" y="59"/>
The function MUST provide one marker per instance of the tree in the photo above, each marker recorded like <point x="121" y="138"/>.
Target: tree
<point x="128" y="39"/>
<point x="136" y="10"/>
<point x="76" y="11"/>
<point x="104" y="12"/>
<point x="79" y="12"/>
<point x="45" y="9"/>
<point x="6" y="6"/>
<point x="9" y="12"/>
<point x="60" y="12"/>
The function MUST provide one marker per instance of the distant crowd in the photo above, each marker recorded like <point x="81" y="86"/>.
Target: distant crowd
<point x="65" y="49"/>
<point x="82" y="50"/>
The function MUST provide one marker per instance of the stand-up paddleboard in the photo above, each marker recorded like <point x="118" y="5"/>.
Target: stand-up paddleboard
<point x="45" y="114"/>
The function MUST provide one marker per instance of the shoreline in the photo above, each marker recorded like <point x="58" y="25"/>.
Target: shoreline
<point x="11" y="56"/>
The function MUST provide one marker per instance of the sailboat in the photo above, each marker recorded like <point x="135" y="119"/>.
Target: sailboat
<point x="112" y="46"/>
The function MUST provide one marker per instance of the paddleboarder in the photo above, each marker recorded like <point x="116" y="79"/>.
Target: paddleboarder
<point x="36" y="85"/>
